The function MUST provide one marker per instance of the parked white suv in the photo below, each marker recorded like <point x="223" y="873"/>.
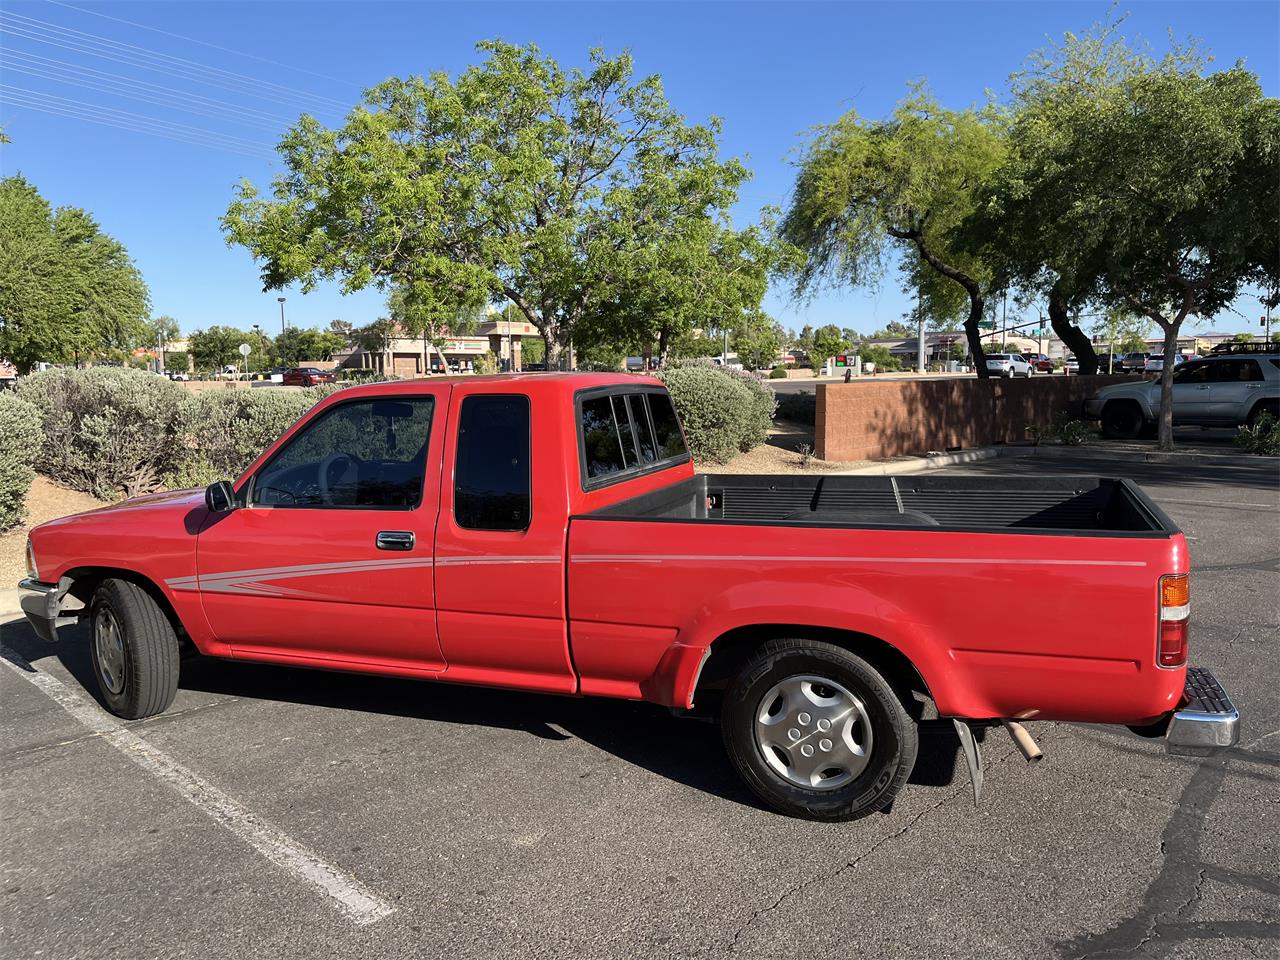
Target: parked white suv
<point x="1008" y="364"/>
<point x="1227" y="388"/>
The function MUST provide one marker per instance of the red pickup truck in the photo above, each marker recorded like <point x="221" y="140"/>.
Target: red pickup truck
<point x="548" y="532"/>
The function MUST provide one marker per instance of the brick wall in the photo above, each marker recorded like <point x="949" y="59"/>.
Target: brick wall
<point x="894" y="418"/>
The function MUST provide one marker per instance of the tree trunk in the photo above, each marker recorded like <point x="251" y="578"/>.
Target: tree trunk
<point x="551" y="352"/>
<point x="1071" y="335"/>
<point x="663" y="338"/>
<point x="977" y="302"/>
<point x="1166" y="383"/>
<point x="973" y="333"/>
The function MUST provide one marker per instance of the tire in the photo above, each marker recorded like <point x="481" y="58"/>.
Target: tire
<point x="785" y="688"/>
<point x="1122" y="421"/>
<point x="134" y="651"/>
<point x="1263" y="407"/>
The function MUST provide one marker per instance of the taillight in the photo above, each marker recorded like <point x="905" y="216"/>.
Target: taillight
<point x="1175" y="610"/>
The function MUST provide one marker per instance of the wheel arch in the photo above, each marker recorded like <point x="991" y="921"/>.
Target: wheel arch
<point x="85" y="581"/>
<point x="731" y="649"/>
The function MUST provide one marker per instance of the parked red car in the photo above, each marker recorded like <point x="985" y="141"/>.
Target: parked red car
<point x="1040" y="362"/>
<point x="306" y="376"/>
<point x="548" y="533"/>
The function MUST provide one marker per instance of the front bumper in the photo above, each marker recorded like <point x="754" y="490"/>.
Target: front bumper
<point x="1207" y="722"/>
<point x="42" y="603"/>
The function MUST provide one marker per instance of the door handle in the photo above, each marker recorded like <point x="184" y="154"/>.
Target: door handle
<point x="1202" y="388"/>
<point x="395" y="539"/>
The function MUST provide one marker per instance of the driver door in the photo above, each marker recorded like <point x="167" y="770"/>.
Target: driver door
<point x="329" y="561"/>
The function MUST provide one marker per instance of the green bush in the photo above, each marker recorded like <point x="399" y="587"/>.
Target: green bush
<point x="108" y="432"/>
<point x="19" y="445"/>
<point x="881" y="357"/>
<point x="225" y="430"/>
<point x="778" y="373"/>
<point x="1263" y="437"/>
<point x="724" y="412"/>
<point x="798" y="407"/>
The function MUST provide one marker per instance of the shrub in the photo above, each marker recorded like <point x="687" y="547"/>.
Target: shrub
<point x="798" y="407"/>
<point x="19" y="445"/>
<point x="881" y="357"/>
<point x="225" y="430"/>
<point x="778" y="373"/>
<point x="724" y="411"/>
<point x="1263" y="437"/>
<point x="486" y="363"/>
<point x="108" y="432"/>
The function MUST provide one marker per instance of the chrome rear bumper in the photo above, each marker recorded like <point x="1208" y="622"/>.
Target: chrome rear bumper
<point x="1207" y="722"/>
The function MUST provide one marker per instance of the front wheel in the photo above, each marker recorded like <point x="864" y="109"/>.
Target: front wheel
<point x="816" y="732"/>
<point x="1122" y="421"/>
<point x="134" y="650"/>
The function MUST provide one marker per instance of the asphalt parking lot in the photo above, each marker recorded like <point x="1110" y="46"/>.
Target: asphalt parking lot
<point x="484" y="823"/>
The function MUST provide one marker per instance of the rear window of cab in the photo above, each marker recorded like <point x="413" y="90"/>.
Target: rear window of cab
<point x="624" y="432"/>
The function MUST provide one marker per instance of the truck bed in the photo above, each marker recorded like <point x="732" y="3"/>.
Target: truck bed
<point x="1076" y="505"/>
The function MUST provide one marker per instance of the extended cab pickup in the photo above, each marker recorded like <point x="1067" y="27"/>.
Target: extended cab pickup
<point x="548" y="533"/>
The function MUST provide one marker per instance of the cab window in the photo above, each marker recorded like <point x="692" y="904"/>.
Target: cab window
<point x="363" y="454"/>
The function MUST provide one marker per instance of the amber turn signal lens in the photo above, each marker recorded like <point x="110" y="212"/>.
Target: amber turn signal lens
<point x="1175" y="590"/>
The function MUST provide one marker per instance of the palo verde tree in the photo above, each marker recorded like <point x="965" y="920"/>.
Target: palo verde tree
<point x="1143" y="183"/>
<point x="905" y="184"/>
<point x="67" y="290"/>
<point x="515" y="181"/>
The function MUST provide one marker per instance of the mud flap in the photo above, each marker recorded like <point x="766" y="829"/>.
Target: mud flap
<point x="972" y="757"/>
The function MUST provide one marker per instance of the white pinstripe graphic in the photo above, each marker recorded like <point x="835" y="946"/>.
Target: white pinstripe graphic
<point x="779" y="558"/>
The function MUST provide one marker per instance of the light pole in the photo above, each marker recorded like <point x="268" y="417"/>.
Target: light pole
<point x="280" y="300"/>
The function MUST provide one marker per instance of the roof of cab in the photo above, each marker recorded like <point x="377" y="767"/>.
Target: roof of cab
<point x="567" y="382"/>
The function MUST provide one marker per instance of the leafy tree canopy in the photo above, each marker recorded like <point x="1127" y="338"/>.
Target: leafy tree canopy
<point x="558" y="191"/>
<point x="67" y="290"/>
<point x="755" y="341"/>
<point x="296" y="345"/>
<point x="1141" y="182"/>
<point x="870" y="188"/>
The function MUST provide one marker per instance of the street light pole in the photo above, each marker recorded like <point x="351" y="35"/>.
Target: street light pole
<point x="280" y="300"/>
<point x="919" y="334"/>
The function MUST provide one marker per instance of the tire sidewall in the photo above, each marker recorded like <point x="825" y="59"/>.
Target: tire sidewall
<point x="890" y="752"/>
<point x="116" y="702"/>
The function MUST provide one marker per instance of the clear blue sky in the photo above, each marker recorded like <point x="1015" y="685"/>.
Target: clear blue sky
<point x="770" y="70"/>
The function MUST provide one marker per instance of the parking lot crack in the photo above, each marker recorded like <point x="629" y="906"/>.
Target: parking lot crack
<point x="851" y="864"/>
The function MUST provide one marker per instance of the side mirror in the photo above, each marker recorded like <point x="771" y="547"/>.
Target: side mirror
<point x="220" y="497"/>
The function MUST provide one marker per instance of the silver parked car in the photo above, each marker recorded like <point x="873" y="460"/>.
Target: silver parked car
<point x="1155" y="362"/>
<point x="1227" y="388"/>
<point x="1008" y="364"/>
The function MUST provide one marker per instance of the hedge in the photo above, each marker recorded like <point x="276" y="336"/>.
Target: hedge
<point x="725" y="412"/>
<point x="107" y="431"/>
<point x="19" y="446"/>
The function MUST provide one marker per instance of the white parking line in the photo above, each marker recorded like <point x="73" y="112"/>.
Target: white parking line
<point x="357" y="903"/>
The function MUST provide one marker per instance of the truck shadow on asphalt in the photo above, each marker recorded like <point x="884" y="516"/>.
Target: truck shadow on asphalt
<point x="682" y="749"/>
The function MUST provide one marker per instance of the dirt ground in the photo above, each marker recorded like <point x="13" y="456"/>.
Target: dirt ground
<point x="781" y="453"/>
<point x="45" y="501"/>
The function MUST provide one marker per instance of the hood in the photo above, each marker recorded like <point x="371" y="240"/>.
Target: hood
<point x="150" y="503"/>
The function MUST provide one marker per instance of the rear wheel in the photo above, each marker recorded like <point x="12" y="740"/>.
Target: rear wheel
<point x="816" y="732"/>
<point x="1122" y="420"/>
<point x="134" y="651"/>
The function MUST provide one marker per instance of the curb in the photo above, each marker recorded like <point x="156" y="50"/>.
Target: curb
<point x="922" y="464"/>
<point x="1144" y="456"/>
<point x="9" y="603"/>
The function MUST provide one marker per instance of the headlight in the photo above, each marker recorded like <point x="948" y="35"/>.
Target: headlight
<point x="32" y="572"/>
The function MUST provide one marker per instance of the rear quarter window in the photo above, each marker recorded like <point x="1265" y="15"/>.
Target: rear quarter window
<point x="622" y="433"/>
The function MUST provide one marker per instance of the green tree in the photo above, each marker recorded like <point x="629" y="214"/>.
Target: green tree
<point x="905" y="185"/>
<point x="516" y="180"/>
<point x="828" y="341"/>
<point x="755" y="341"/>
<point x="296" y="344"/>
<point x="1243" y="338"/>
<point x="1124" y="330"/>
<point x="893" y="329"/>
<point x="67" y="290"/>
<point x="532" y="350"/>
<point x="431" y="320"/>
<point x="804" y="341"/>
<point x="163" y="328"/>
<point x="1142" y="183"/>
<point x="217" y="347"/>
